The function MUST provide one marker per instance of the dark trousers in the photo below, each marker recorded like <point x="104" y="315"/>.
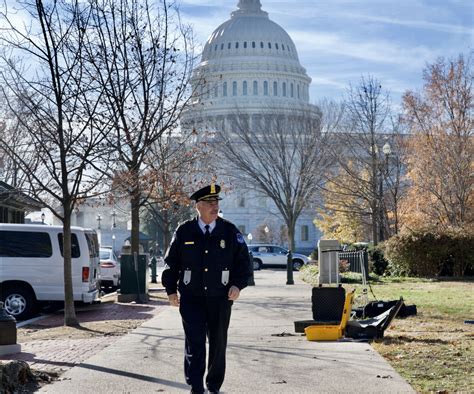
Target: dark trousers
<point x="205" y="316"/>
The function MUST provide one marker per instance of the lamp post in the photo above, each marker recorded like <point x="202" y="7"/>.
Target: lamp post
<point x="42" y="217"/>
<point x="98" y="218"/>
<point x="99" y="234"/>
<point x="383" y="169"/>
<point x="251" y="281"/>
<point x="250" y="237"/>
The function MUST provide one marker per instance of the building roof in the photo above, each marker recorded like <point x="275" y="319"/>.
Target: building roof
<point x="14" y="198"/>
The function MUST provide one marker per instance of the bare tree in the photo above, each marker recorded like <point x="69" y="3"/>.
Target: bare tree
<point x="280" y="156"/>
<point x="365" y="174"/>
<point x="43" y="75"/>
<point x="441" y="148"/>
<point x="147" y="54"/>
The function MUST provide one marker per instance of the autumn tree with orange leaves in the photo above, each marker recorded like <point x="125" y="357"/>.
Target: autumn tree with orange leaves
<point x="440" y="161"/>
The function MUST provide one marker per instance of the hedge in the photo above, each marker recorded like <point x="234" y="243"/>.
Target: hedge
<point x="429" y="252"/>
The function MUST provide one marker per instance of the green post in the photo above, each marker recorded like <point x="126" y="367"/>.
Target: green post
<point x="289" y="269"/>
<point x="153" y="269"/>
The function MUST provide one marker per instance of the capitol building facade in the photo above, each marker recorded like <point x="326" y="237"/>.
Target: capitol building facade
<point x="250" y="67"/>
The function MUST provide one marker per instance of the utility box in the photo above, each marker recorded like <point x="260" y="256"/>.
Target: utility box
<point x="133" y="283"/>
<point x="328" y="257"/>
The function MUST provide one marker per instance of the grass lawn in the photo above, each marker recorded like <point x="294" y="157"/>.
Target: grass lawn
<point x="434" y="350"/>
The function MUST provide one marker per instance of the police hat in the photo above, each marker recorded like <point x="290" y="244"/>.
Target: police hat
<point x="207" y="193"/>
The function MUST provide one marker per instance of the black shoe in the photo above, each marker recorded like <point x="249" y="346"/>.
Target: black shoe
<point x="213" y="391"/>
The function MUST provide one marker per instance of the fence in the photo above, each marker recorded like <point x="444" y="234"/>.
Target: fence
<point x="355" y="259"/>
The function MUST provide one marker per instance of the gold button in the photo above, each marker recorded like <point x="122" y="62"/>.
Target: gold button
<point x="205" y="269"/>
<point x="206" y="251"/>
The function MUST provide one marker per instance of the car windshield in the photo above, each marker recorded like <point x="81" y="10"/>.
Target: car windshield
<point x="104" y="254"/>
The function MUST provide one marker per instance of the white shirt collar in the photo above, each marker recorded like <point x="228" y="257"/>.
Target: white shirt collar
<point x="202" y="225"/>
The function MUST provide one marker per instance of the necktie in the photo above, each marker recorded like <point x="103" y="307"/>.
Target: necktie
<point x="207" y="233"/>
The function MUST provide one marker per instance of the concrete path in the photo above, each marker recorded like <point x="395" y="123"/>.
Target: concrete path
<point x="264" y="353"/>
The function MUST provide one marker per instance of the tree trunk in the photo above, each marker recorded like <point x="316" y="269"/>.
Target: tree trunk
<point x="70" y="318"/>
<point x="135" y="208"/>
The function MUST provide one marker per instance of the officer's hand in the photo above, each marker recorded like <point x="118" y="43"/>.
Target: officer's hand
<point x="234" y="293"/>
<point x="173" y="299"/>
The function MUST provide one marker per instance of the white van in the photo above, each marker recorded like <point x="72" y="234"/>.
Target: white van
<point x="31" y="266"/>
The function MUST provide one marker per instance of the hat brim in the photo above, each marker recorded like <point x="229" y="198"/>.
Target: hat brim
<point x="210" y="198"/>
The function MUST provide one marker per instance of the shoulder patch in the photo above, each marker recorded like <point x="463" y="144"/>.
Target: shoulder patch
<point x="240" y="239"/>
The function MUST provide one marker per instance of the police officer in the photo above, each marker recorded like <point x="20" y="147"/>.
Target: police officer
<point x="208" y="263"/>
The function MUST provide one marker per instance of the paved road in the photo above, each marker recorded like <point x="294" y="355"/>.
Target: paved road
<point x="264" y="353"/>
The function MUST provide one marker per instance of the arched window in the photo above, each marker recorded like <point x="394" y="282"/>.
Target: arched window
<point x="269" y="45"/>
<point x="275" y="88"/>
<point x="283" y="46"/>
<point x="292" y="90"/>
<point x="228" y="45"/>
<point x="261" y="44"/>
<point x="236" y="45"/>
<point x="265" y="88"/>
<point x="224" y="89"/>
<point x="244" y="88"/>
<point x="245" y="44"/>
<point x="255" y="88"/>
<point x="253" y="44"/>
<point x="284" y="89"/>
<point x="276" y="46"/>
<point x="234" y="88"/>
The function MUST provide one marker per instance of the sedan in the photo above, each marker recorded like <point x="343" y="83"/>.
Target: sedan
<point x="109" y="268"/>
<point x="273" y="255"/>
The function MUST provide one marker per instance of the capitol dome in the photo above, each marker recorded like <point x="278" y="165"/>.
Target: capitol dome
<point x="249" y="63"/>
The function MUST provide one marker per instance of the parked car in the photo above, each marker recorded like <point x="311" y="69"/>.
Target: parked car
<point x="109" y="268"/>
<point x="273" y="255"/>
<point x="32" y="266"/>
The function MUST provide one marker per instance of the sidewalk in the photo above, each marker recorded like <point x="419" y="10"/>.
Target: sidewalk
<point x="264" y="353"/>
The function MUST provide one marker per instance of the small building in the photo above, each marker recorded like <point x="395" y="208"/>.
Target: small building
<point x="15" y="205"/>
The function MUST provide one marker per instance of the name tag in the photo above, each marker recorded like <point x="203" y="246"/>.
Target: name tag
<point x="189" y="243"/>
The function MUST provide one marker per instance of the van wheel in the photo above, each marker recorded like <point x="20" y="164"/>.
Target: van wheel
<point x="19" y="302"/>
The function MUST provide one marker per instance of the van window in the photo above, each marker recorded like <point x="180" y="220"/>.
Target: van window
<point x="75" y="250"/>
<point x="93" y="243"/>
<point x="25" y="244"/>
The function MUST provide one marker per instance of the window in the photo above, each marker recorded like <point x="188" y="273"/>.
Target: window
<point x="234" y="88"/>
<point x="222" y="46"/>
<point x="253" y="44"/>
<point x="25" y="244"/>
<point x="215" y="48"/>
<point x="241" y="202"/>
<point x="224" y="89"/>
<point x="244" y="88"/>
<point x="304" y="233"/>
<point x="269" y="45"/>
<point x="75" y="250"/>
<point x="265" y="88"/>
<point x="261" y="44"/>
<point x="216" y="91"/>
<point x="283" y="46"/>
<point x="292" y="90"/>
<point x="228" y="45"/>
<point x="241" y="228"/>
<point x="276" y="46"/>
<point x="275" y="88"/>
<point x="236" y="45"/>
<point x="255" y="88"/>
<point x="298" y="90"/>
<point x="284" y="89"/>
<point x="245" y="44"/>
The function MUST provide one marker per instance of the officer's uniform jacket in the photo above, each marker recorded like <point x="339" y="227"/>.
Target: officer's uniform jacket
<point x="206" y="266"/>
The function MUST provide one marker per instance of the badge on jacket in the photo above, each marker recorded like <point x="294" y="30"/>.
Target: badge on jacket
<point x="222" y="244"/>
<point x="240" y="239"/>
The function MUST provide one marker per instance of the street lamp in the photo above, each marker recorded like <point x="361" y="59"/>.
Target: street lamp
<point x="383" y="168"/>
<point x="42" y="217"/>
<point x="114" y="214"/>
<point x="113" y="243"/>
<point x="98" y="218"/>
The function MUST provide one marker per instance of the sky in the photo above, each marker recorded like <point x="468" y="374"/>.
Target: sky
<point x="338" y="41"/>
